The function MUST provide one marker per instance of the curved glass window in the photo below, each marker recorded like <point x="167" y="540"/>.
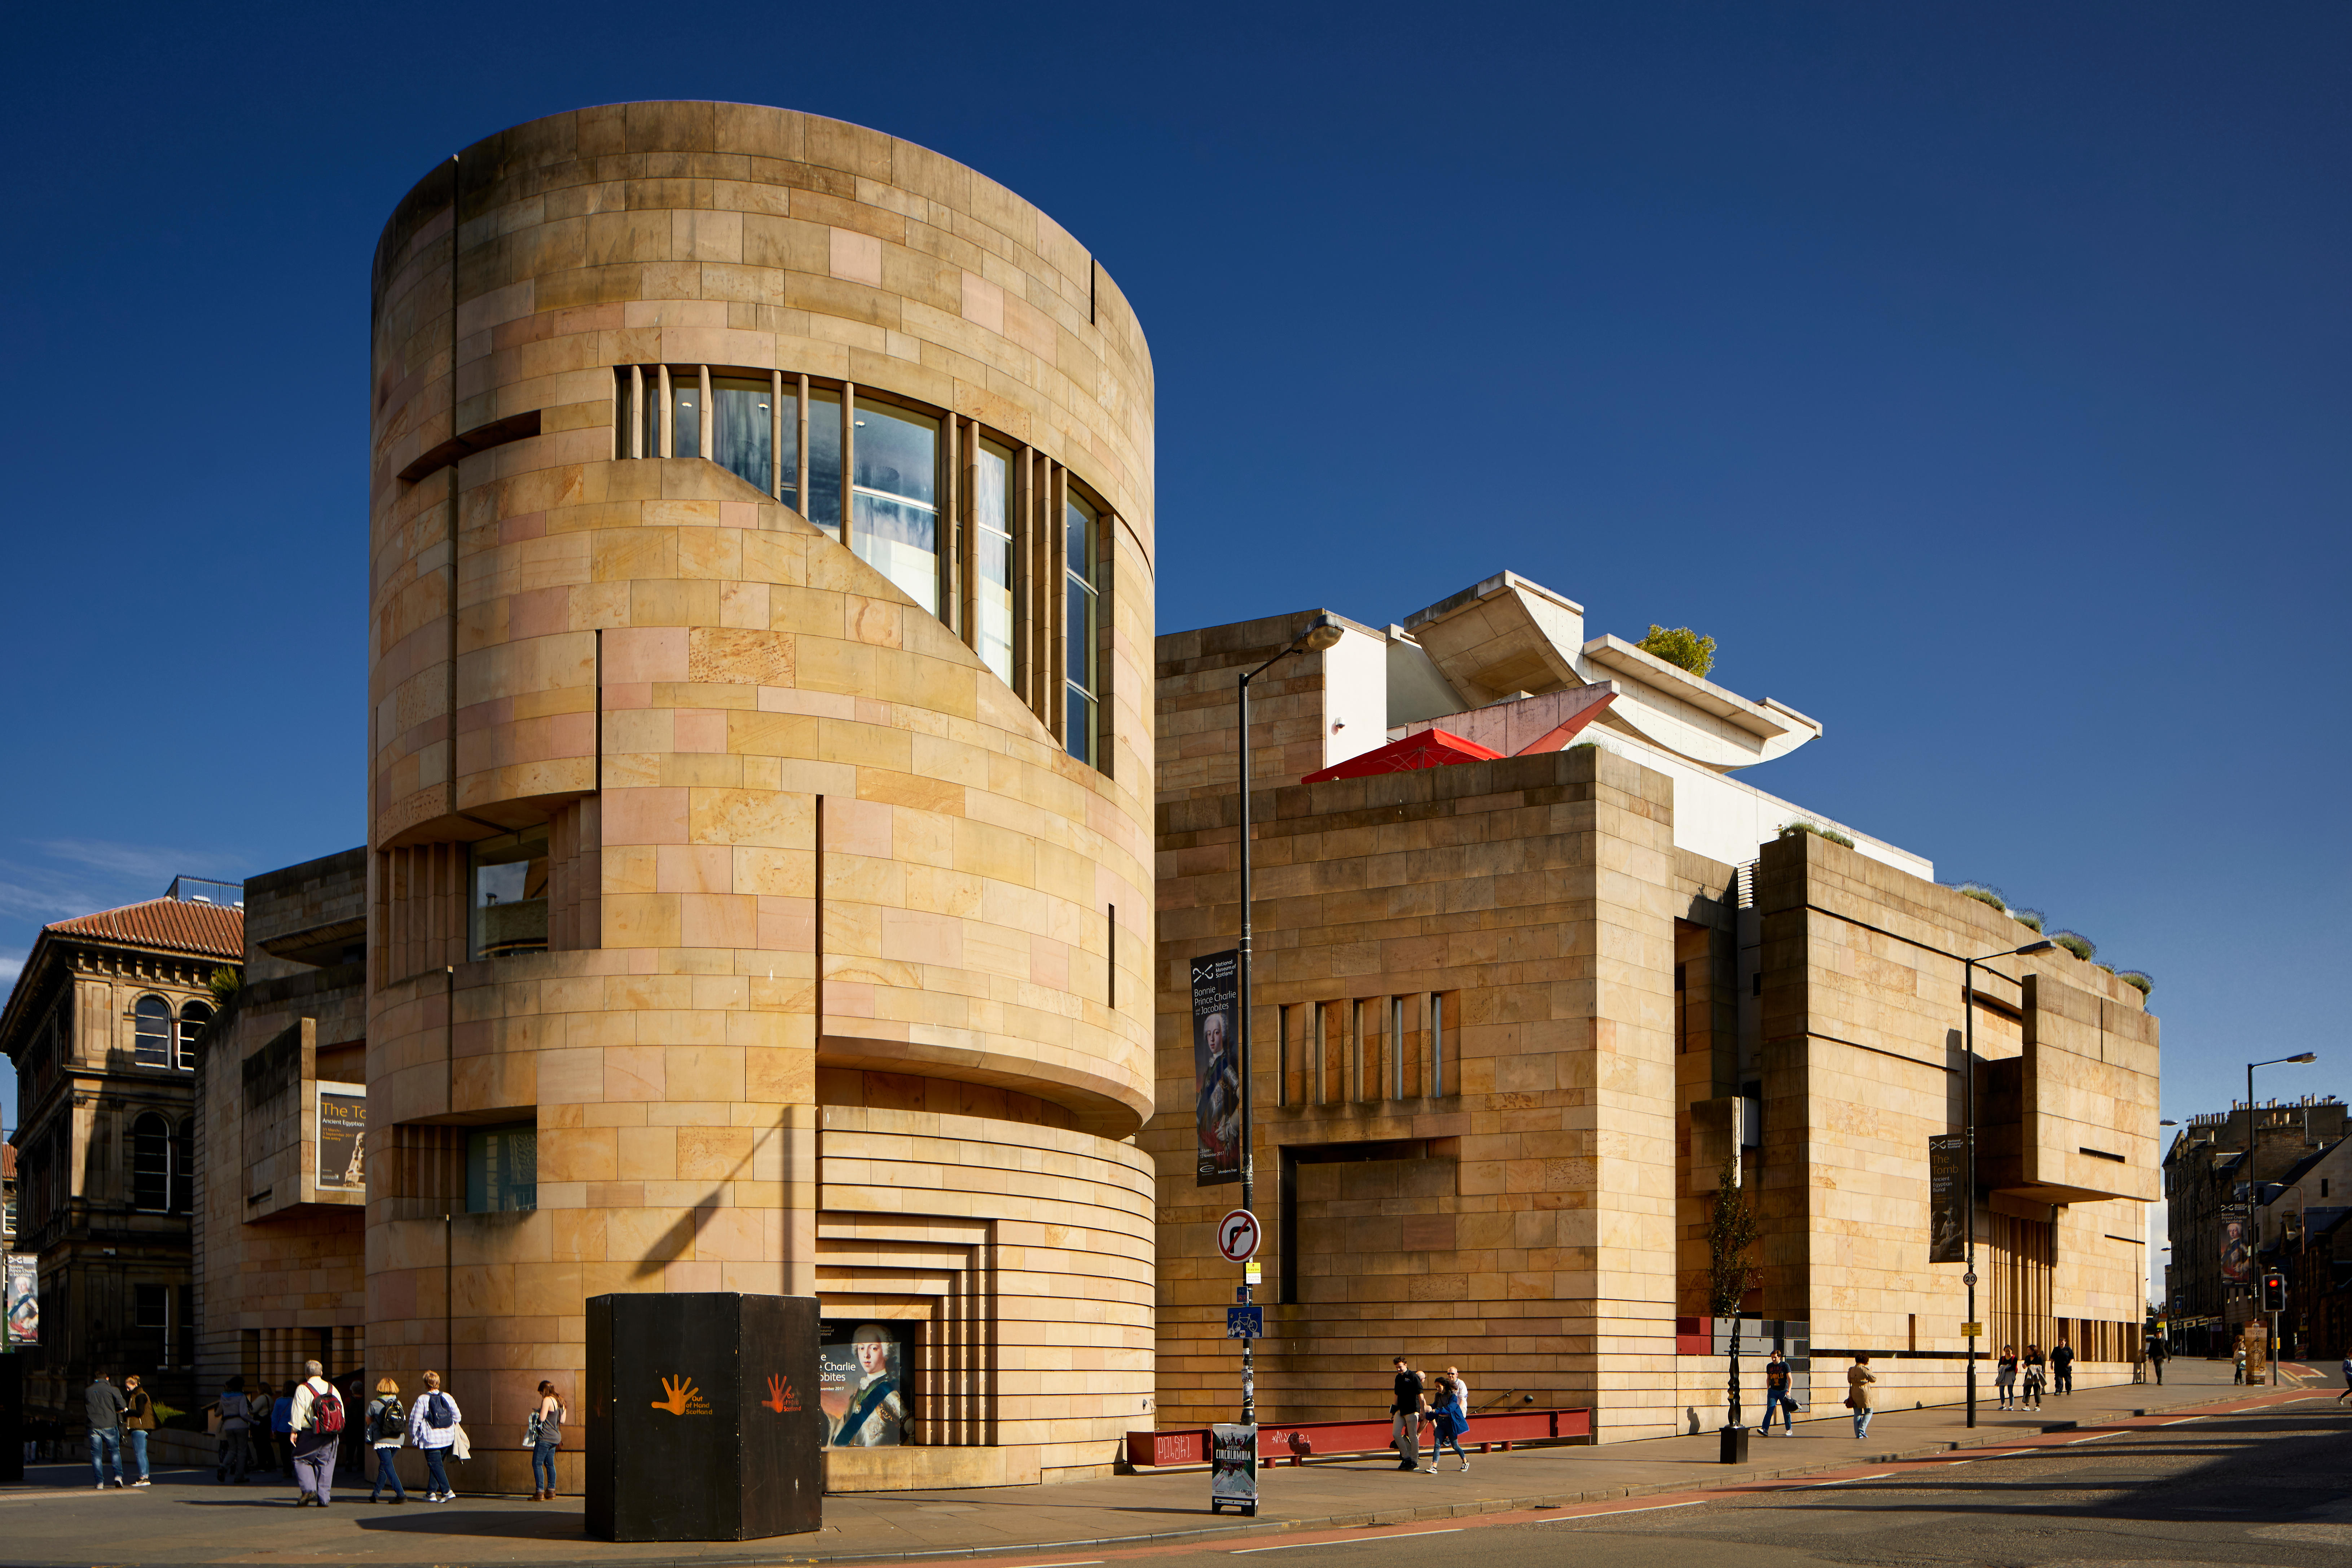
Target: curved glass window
<point x="192" y="1019"/>
<point x="992" y="568"/>
<point x="1082" y="612"/>
<point x="743" y="439"/>
<point x="508" y="894"/>
<point x="150" y="1163"/>
<point x="686" y="415"/>
<point x="895" y="524"/>
<point x="151" y="1032"/>
<point x="824" y="507"/>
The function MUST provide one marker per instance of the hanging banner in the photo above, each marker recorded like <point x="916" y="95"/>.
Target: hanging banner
<point x="24" y="1299"/>
<point x="342" y="1137"/>
<point x="1216" y="1065"/>
<point x="1947" y="1185"/>
<point x="2237" y="1250"/>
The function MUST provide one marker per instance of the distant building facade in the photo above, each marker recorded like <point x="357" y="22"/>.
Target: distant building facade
<point x="280" y="1144"/>
<point x="1513" y="1012"/>
<point x="2225" y="1214"/>
<point x="101" y="1028"/>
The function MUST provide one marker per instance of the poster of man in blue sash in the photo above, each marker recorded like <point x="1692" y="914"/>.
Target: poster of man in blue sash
<point x="1216" y="1059"/>
<point x="862" y="1388"/>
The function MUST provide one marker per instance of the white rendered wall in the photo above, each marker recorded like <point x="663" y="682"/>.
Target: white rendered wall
<point x="1355" y="696"/>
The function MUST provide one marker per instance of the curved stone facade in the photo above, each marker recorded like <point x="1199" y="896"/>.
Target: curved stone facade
<point x="843" y="981"/>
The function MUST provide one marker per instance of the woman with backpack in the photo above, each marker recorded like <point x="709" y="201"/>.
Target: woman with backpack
<point x="387" y="1429"/>
<point x="546" y="1434"/>
<point x="433" y="1427"/>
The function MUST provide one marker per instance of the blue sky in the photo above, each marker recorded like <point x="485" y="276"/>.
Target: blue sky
<point x="1975" y="374"/>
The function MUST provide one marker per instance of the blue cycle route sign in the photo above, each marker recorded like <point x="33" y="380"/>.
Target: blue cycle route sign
<point x="1246" y="1323"/>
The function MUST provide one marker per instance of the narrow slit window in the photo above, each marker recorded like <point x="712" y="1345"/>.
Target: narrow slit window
<point x="993" y="558"/>
<point x="1084" y="602"/>
<point x="1396" y="1042"/>
<point x="1282" y="1056"/>
<point x="895" y="528"/>
<point x="686" y="426"/>
<point x="743" y="441"/>
<point x="1437" y="1043"/>
<point x="824" y="507"/>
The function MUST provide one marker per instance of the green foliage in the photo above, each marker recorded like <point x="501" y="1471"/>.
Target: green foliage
<point x="1586" y="746"/>
<point x="1982" y="894"/>
<point x="1731" y="1229"/>
<point x="225" y="983"/>
<point x="1680" y="647"/>
<point x="1818" y="831"/>
<point x="2076" y="942"/>
<point x="2029" y="918"/>
<point x="2140" y="980"/>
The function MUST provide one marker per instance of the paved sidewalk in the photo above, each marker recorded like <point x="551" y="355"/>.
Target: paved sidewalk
<point x="186" y="1519"/>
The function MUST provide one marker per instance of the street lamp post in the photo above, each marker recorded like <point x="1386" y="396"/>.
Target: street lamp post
<point x="2253" y="1197"/>
<point x="1321" y="633"/>
<point x="1968" y="1100"/>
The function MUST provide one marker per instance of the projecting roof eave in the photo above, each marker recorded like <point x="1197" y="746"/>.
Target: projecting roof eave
<point x="1766" y="721"/>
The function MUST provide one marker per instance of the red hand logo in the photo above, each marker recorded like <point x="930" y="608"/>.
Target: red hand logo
<point x="775" y="1400"/>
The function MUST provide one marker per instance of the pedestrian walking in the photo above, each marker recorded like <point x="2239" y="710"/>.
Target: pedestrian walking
<point x="281" y="1430"/>
<point x="235" y="1457"/>
<point x="318" y="1429"/>
<point x="386" y="1429"/>
<point x="2004" y="1377"/>
<point x="546" y="1437"/>
<point x="1456" y="1374"/>
<point x="2159" y="1352"/>
<point x="1405" y="1416"/>
<point x="2239" y="1375"/>
<point x="1858" y="1379"/>
<point x="433" y="1427"/>
<point x="1450" y="1417"/>
<point x="2037" y="1377"/>
<point x="2348" y="1379"/>
<point x="1776" y="1397"/>
<point x="2061" y="1368"/>
<point x="102" y="1403"/>
<point x="138" y="1420"/>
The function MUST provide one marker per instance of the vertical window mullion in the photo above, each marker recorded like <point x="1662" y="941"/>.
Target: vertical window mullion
<point x="705" y="427"/>
<point x="668" y="414"/>
<point x="776" y="434"/>
<point x="848" y="464"/>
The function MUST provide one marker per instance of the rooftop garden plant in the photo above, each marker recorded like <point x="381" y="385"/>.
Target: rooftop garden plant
<point x="2029" y="918"/>
<point x="1680" y="646"/>
<point x="1818" y="831"/>
<point x="2140" y="980"/>
<point x="2076" y="942"/>
<point x="1982" y="894"/>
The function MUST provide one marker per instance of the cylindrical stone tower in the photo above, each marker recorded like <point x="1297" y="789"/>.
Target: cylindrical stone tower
<point x="760" y="797"/>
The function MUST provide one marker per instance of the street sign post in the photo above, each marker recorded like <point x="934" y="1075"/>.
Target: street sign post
<point x="1237" y="1236"/>
<point x="1246" y="1323"/>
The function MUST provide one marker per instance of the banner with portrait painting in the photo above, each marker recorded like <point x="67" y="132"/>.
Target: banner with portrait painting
<point x="1216" y="1065"/>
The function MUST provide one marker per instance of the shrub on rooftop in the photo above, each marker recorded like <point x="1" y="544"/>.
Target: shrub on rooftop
<point x="1982" y="894"/>
<point x="1680" y="646"/>
<point x="2140" y="980"/>
<point x="1818" y="831"/>
<point x="2029" y="918"/>
<point x="2076" y="942"/>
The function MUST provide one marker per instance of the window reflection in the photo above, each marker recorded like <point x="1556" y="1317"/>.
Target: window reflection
<point x="509" y="885"/>
<point x="992" y="560"/>
<point x="150" y="1038"/>
<point x="894" y="494"/>
<point x="824" y="507"/>
<point x="686" y="427"/>
<point x="1082" y="610"/>
<point x="743" y="439"/>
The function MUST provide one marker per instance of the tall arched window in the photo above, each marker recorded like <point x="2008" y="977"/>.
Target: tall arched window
<point x="184" y="1166"/>
<point x="150" y="1163"/>
<point x="152" y="1032"/>
<point x="193" y="1017"/>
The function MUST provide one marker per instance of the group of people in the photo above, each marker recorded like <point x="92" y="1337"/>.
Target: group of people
<point x="119" y="1420"/>
<point x="2053" y="1373"/>
<point x="308" y="1423"/>
<point x="1442" y="1402"/>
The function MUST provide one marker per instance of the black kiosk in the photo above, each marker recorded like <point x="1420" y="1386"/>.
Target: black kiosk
<point x="702" y="1417"/>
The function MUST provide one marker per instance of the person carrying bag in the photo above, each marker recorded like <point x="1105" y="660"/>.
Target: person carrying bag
<point x="387" y="1429"/>
<point x="434" y="1427"/>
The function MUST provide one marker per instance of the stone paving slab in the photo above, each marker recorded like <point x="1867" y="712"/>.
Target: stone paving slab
<point x="186" y="1519"/>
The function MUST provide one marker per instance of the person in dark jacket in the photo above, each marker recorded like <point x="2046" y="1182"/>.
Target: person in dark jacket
<point x="2061" y="1368"/>
<point x="2159" y="1352"/>
<point x="138" y="1420"/>
<point x="1776" y="1397"/>
<point x="1405" y="1416"/>
<point x="103" y="1404"/>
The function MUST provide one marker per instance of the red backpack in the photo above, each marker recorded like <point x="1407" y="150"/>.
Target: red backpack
<point x="327" y="1411"/>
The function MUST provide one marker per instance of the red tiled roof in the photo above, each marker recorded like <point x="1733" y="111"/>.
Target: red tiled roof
<point x="211" y="930"/>
<point x="1428" y="749"/>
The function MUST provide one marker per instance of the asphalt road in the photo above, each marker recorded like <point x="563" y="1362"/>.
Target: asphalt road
<point x="2266" y="1490"/>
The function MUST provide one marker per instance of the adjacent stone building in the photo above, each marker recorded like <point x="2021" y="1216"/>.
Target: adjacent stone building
<point x="758" y="851"/>
<point x="2214" y="1202"/>
<point x="101" y="1028"/>
<point x="280" y="1144"/>
<point x="1512" y="1012"/>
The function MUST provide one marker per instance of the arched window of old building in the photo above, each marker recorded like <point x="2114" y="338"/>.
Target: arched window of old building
<point x="193" y="1017"/>
<point x="152" y="1032"/>
<point x="184" y="1166"/>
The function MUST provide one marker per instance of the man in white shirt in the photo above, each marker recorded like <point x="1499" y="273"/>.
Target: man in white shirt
<point x="316" y="1404"/>
<point x="1461" y="1387"/>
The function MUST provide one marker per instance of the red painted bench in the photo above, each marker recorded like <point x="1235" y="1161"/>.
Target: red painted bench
<point x="1300" y="1440"/>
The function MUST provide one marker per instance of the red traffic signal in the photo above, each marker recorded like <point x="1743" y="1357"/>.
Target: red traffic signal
<point x="2274" y="1291"/>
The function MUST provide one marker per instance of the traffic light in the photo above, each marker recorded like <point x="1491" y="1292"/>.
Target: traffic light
<point x="2274" y="1291"/>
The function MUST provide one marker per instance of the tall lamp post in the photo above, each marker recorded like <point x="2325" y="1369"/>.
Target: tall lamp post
<point x="2254" y="1193"/>
<point x="1321" y="633"/>
<point x="1968" y="1099"/>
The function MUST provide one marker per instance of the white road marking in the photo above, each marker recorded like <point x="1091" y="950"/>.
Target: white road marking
<point x="1081" y="1562"/>
<point x="1608" y="1513"/>
<point x="1356" y="1541"/>
<point x="2092" y="1439"/>
<point x="1848" y="1481"/>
